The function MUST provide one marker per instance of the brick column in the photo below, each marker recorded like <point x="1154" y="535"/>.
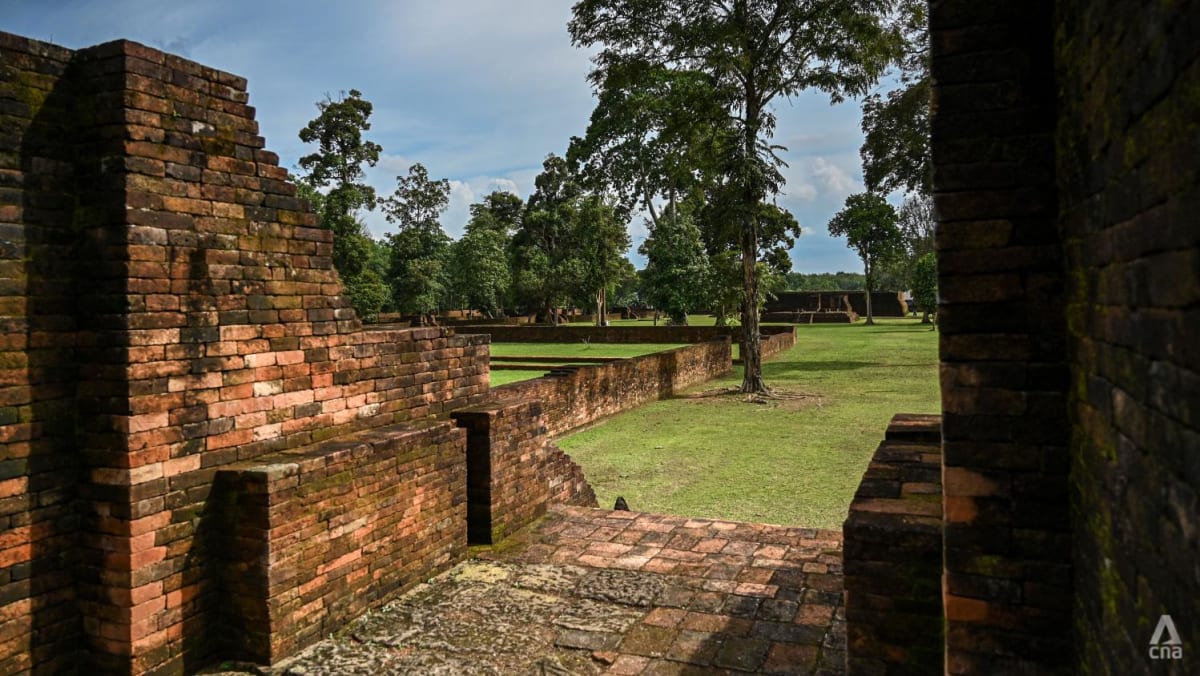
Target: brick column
<point x="1007" y="580"/>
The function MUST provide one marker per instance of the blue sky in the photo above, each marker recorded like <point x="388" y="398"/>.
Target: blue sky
<point x="479" y="91"/>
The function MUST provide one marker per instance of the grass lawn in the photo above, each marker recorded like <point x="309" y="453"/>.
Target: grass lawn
<point x="796" y="460"/>
<point x="565" y="350"/>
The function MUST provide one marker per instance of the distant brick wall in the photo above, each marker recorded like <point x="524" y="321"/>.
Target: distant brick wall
<point x="1129" y="191"/>
<point x="573" y="333"/>
<point x="311" y="539"/>
<point x="513" y="471"/>
<point x="170" y="309"/>
<point x="893" y="555"/>
<point x="777" y="343"/>
<point x="575" y="396"/>
<point x="883" y="303"/>
<point x="1002" y="338"/>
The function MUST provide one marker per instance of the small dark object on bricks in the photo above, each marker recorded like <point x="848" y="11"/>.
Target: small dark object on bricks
<point x="621" y="505"/>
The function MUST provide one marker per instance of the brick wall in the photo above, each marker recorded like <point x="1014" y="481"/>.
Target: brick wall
<point x="1129" y="190"/>
<point x="575" y="396"/>
<point x="513" y="471"/>
<point x="39" y="461"/>
<point x="311" y="539"/>
<point x="776" y="343"/>
<point x="1002" y="338"/>
<point x="883" y="303"/>
<point x="893" y="555"/>
<point x="616" y="334"/>
<point x="169" y="294"/>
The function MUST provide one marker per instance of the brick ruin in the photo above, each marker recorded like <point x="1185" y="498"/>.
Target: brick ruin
<point x="1064" y="139"/>
<point x="205" y="454"/>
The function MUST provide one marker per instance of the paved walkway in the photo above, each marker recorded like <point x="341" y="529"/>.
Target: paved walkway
<point x="590" y="591"/>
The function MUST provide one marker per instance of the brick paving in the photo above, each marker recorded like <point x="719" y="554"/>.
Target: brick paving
<point x="595" y="591"/>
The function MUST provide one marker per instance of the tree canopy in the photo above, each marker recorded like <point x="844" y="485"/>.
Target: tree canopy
<point x="868" y="223"/>
<point x="741" y="55"/>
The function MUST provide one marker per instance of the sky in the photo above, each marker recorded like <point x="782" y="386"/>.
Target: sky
<point x="479" y="91"/>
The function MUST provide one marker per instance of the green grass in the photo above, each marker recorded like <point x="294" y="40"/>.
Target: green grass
<point x="579" y="349"/>
<point x="794" y="461"/>
<point x="566" y="350"/>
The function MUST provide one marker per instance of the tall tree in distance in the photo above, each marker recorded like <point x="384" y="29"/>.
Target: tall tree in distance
<point x="337" y="168"/>
<point x="420" y="248"/>
<point x="925" y="285"/>
<point x="546" y="268"/>
<point x="750" y="53"/>
<point x="895" y="149"/>
<point x="868" y="223"/>
<point x="481" y="275"/>
<point x="676" y="275"/>
<point x="601" y="240"/>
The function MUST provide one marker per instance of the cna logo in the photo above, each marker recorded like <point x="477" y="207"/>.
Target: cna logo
<point x="1169" y="647"/>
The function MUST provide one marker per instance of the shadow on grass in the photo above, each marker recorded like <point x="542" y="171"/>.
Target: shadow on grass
<point x="784" y="367"/>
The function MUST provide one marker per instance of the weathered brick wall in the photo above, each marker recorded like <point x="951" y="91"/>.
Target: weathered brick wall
<point x="513" y="471"/>
<point x="1129" y="191"/>
<point x="569" y="333"/>
<point x="774" y="344"/>
<point x="39" y="265"/>
<point x="1002" y="338"/>
<point x="883" y="303"/>
<point x="180" y="313"/>
<point x="893" y="555"/>
<point x="575" y="396"/>
<point x="310" y="539"/>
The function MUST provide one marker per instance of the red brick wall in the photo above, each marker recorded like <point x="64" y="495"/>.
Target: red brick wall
<point x="1129" y="189"/>
<point x="1002" y="338"/>
<point x="513" y="471"/>
<point x="312" y="539"/>
<point x="616" y="334"/>
<point x="579" y="395"/>
<point x="198" y="322"/>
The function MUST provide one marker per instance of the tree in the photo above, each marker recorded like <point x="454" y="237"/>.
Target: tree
<point x="868" y="223"/>
<point x="676" y="266"/>
<point x="337" y="167"/>
<point x="601" y="240"/>
<point x="546" y="269"/>
<point x="420" y="248"/>
<point x="479" y="262"/>
<point x="925" y="285"/>
<point x="747" y="53"/>
<point x="895" y="149"/>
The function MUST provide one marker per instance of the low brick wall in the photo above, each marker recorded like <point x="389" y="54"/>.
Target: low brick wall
<point x="574" y="333"/>
<point x="512" y="469"/>
<point x="893" y="555"/>
<point x="804" y="317"/>
<point x="775" y="343"/>
<point x="575" y="396"/>
<point x="311" y="538"/>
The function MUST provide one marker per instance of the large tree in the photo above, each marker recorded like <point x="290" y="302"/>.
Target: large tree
<point x="868" y="223"/>
<point x="420" y="248"/>
<point x="925" y="285"/>
<point x="334" y="184"/>
<point x="601" y="240"/>
<point x="480" y="268"/>
<point x="676" y="275"/>
<point x="748" y="53"/>
<point x="895" y="149"/>
<point x="546" y="268"/>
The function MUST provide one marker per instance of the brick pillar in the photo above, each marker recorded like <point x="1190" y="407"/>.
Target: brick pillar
<point x="1007" y="577"/>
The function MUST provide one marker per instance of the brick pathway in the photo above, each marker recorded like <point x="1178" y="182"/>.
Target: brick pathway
<point x="593" y="591"/>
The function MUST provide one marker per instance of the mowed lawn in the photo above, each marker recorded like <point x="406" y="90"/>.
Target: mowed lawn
<point x="795" y="460"/>
<point x="511" y="352"/>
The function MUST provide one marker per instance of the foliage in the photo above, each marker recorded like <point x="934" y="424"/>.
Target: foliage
<point x="601" y="241"/>
<point x="746" y="53"/>
<point x="825" y="281"/>
<point x="479" y="261"/>
<point x="895" y="150"/>
<point x="674" y="280"/>
<point x="545" y="271"/>
<point x="337" y="168"/>
<point x="420" y="250"/>
<point x="868" y="223"/>
<point x="916" y="222"/>
<point x="925" y="285"/>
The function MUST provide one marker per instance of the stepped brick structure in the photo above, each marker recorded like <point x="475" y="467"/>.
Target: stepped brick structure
<point x="204" y="453"/>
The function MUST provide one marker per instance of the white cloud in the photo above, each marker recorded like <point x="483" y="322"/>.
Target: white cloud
<point x="834" y="179"/>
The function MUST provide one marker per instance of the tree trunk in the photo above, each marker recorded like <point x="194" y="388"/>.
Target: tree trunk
<point x="925" y="317"/>
<point x="870" y="317"/>
<point x="751" y="346"/>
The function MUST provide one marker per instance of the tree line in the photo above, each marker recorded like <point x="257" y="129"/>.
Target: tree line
<point x="682" y="132"/>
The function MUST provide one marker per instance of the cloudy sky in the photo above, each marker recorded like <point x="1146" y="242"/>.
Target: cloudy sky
<point x="479" y="91"/>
